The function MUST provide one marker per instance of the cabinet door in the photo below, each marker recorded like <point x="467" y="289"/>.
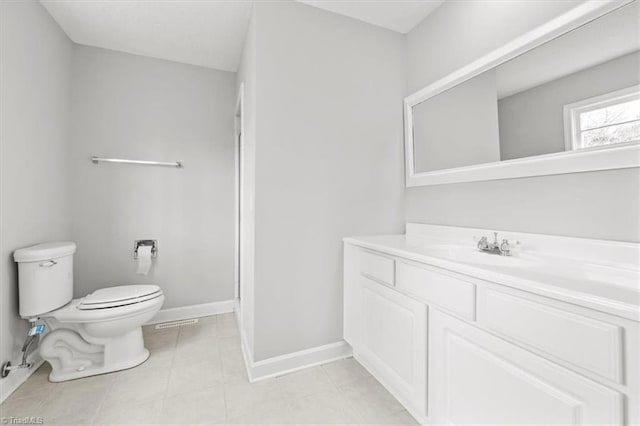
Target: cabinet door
<point x="478" y="378"/>
<point x="393" y="344"/>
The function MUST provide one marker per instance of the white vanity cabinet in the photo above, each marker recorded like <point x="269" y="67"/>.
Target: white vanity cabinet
<point x="454" y="348"/>
<point x="387" y="329"/>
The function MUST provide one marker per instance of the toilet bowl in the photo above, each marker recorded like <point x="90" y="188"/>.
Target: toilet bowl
<point x="89" y="338"/>
<point x="95" y="334"/>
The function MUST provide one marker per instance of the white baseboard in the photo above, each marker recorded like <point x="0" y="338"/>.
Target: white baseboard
<point x="246" y="354"/>
<point x="288" y="363"/>
<point x="193" y="311"/>
<point x="9" y="384"/>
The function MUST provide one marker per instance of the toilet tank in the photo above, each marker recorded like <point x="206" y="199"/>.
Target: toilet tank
<point x="45" y="277"/>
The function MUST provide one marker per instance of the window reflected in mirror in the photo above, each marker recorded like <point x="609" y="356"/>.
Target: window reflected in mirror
<point x="612" y="118"/>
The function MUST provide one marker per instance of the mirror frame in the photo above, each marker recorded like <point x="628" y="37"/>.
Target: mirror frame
<point x="613" y="157"/>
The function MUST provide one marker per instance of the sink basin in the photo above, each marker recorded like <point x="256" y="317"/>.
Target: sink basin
<point x="537" y="267"/>
<point x="472" y="255"/>
<point x="585" y="272"/>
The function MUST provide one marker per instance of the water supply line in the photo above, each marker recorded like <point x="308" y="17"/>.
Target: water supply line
<point x="33" y="336"/>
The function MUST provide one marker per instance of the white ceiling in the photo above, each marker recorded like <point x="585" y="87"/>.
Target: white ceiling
<point x="396" y="15"/>
<point x="208" y="33"/>
<point x="205" y="33"/>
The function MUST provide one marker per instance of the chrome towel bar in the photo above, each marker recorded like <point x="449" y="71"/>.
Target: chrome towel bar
<point x="96" y="160"/>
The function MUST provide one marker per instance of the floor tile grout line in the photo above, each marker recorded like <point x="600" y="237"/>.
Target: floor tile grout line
<point x="355" y="379"/>
<point x="224" y="389"/>
<point x="104" y="396"/>
<point x="351" y="405"/>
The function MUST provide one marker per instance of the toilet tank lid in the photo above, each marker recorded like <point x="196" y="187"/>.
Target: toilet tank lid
<point x="44" y="251"/>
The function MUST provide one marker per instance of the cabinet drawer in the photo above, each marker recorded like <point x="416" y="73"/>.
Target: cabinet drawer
<point x="584" y="342"/>
<point x="446" y="291"/>
<point x="377" y="267"/>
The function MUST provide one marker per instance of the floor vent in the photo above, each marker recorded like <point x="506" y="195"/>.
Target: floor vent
<point x="180" y="323"/>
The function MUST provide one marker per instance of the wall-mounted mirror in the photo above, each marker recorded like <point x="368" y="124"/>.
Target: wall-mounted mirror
<point x="569" y="104"/>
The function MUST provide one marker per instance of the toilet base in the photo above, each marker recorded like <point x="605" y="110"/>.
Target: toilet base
<point x="61" y="376"/>
<point x="73" y="356"/>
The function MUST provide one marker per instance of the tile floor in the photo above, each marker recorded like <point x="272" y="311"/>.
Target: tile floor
<point x="196" y="375"/>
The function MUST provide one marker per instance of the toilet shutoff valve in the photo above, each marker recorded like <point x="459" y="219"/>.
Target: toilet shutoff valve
<point x="33" y="335"/>
<point x="36" y="330"/>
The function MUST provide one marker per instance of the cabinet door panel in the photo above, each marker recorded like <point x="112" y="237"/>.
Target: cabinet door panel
<point x="394" y="342"/>
<point x="479" y="378"/>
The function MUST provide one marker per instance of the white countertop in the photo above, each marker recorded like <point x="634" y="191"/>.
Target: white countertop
<point x="605" y="286"/>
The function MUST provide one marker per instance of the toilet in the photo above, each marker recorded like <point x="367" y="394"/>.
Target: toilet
<point x="96" y="334"/>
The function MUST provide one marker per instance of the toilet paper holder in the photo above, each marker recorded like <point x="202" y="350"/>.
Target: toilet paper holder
<point x="141" y="243"/>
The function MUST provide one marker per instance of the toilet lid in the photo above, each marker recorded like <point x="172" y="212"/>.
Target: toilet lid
<point x="112" y="297"/>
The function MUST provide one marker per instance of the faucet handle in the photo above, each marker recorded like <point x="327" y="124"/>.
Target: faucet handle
<point x="483" y="243"/>
<point x="505" y="248"/>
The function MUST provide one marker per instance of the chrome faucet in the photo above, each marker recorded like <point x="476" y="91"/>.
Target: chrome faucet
<point x="503" y="249"/>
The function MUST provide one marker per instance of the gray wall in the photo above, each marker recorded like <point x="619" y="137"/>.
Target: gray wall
<point x="129" y="106"/>
<point x="532" y="123"/>
<point x="458" y="127"/>
<point x="328" y="164"/>
<point x="35" y="61"/>
<point x="596" y="205"/>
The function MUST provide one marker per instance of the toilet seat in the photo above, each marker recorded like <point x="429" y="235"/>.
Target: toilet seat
<point x="113" y="297"/>
<point x="97" y="307"/>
